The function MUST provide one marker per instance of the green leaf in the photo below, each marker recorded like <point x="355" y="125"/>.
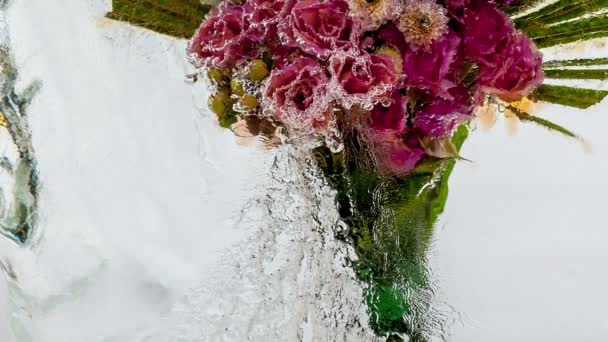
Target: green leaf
<point x="525" y="117"/>
<point x="575" y="62"/>
<point x="442" y="148"/>
<point x="560" y="11"/>
<point x="568" y="96"/>
<point x="178" y="18"/>
<point x="520" y="6"/>
<point x="568" y="32"/>
<point x="577" y="74"/>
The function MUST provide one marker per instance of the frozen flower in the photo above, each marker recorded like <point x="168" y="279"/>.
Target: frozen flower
<point x="360" y="78"/>
<point x="266" y="14"/>
<point x="486" y="29"/>
<point x="396" y="154"/>
<point x="320" y="27"/>
<point x="224" y="39"/>
<point x="389" y="118"/>
<point x="296" y="95"/>
<point x="423" y="22"/>
<point x="517" y="70"/>
<point x="437" y="116"/>
<point x="427" y="69"/>
<point x="374" y="13"/>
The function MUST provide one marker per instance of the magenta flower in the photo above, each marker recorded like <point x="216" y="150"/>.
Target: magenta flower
<point x="224" y="39"/>
<point x="396" y="154"/>
<point x="390" y="118"/>
<point x="486" y="29"/>
<point x="320" y="27"/>
<point x="517" y="71"/>
<point x="438" y="117"/>
<point x="427" y="69"/>
<point x="296" y="95"/>
<point x="359" y="78"/>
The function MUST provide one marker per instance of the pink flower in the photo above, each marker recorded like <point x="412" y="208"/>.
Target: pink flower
<point x="438" y="117"/>
<point x="266" y="14"/>
<point x="360" y="78"/>
<point x="396" y="154"/>
<point x="517" y="71"/>
<point x="320" y="27"/>
<point x="296" y="95"/>
<point x="486" y="29"/>
<point x="427" y="69"/>
<point x="224" y="39"/>
<point x="390" y="118"/>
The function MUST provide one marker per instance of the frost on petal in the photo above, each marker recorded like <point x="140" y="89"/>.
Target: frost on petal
<point x="320" y="27"/>
<point x="360" y="78"/>
<point x="224" y="39"/>
<point x="296" y="95"/>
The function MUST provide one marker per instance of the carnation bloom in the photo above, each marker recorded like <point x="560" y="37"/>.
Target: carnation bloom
<point x="423" y="22"/>
<point x="517" y="70"/>
<point x="320" y="27"/>
<point x="224" y="39"/>
<point x="360" y="78"/>
<point x="427" y="69"/>
<point x="266" y="14"/>
<point x="486" y="29"/>
<point x="396" y="154"/>
<point x="438" y="117"/>
<point x="374" y="13"/>
<point x="389" y="118"/>
<point x="296" y="95"/>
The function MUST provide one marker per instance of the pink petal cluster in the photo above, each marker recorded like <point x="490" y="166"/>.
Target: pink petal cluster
<point x="320" y="27"/>
<point x="515" y="72"/>
<point x="360" y="78"/>
<point x="404" y="69"/>
<point x="297" y="96"/>
<point x="224" y="39"/>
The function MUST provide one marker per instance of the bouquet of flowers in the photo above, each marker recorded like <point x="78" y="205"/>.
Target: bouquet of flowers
<point x="381" y="92"/>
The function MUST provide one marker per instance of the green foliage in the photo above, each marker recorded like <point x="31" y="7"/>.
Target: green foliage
<point x="568" y="96"/>
<point x="178" y="18"/>
<point x="520" y="6"/>
<point x="577" y="74"/>
<point x="571" y="31"/>
<point x="559" y="11"/>
<point x="575" y="62"/>
<point x="391" y="224"/>
<point x="565" y="21"/>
